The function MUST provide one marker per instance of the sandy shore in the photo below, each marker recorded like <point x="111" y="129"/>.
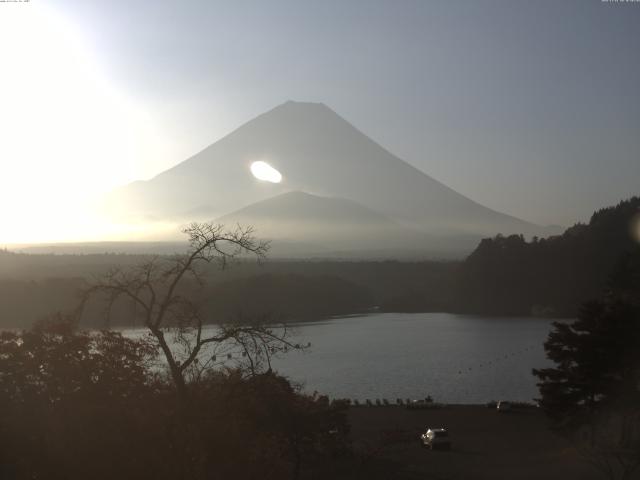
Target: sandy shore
<point x="486" y="444"/>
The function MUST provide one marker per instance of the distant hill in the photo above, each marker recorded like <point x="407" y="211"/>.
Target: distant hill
<point x="319" y="153"/>
<point x="289" y="297"/>
<point x="336" y="227"/>
<point x="99" y="248"/>
<point x="508" y="275"/>
<point x="304" y="207"/>
<point x="33" y="286"/>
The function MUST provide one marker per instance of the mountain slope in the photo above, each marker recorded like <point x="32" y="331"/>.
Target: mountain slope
<point x="317" y="152"/>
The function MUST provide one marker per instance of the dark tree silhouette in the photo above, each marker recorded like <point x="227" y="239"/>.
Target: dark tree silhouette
<point x="597" y="360"/>
<point x="84" y="404"/>
<point x="155" y="289"/>
<point x="593" y="392"/>
<point x="67" y="397"/>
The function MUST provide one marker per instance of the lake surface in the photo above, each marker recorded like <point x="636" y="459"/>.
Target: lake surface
<point x="453" y="358"/>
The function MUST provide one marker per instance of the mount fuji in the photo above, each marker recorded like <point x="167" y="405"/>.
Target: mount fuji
<point x="338" y="188"/>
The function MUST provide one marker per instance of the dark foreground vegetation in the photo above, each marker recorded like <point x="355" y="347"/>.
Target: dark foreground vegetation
<point x="76" y="405"/>
<point x="592" y="393"/>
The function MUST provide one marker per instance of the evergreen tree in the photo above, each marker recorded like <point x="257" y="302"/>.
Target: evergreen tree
<point x="597" y="361"/>
<point x="597" y="356"/>
<point x="593" y="392"/>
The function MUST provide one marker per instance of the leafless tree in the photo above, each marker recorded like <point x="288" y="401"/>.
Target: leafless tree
<point x="160" y="298"/>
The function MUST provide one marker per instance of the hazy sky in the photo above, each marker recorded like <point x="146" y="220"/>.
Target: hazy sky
<point x="529" y="107"/>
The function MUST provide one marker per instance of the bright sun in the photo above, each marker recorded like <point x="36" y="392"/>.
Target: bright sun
<point x="66" y="132"/>
<point x="264" y="171"/>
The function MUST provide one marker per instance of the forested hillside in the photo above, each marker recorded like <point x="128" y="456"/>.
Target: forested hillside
<point x="509" y="275"/>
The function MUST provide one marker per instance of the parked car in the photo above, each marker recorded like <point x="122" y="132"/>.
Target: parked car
<point x="503" y="407"/>
<point x="436" y="438"/>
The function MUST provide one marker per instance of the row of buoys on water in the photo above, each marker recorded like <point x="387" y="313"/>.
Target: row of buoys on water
<point x="386" y="403"/>
<point x="272" y="351"/>
<point x="498" y="360"/>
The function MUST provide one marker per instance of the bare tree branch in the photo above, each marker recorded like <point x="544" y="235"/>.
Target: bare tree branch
<point x="156" y="290"/>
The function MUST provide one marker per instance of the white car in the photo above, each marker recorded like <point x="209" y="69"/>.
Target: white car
<point x="436" y="438"/>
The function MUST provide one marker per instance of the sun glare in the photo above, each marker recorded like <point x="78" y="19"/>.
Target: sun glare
<point x="264" y="171"/>
<point x="67" y="133"/>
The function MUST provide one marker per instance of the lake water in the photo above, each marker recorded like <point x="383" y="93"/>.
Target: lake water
<point x="453" y="358"/>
